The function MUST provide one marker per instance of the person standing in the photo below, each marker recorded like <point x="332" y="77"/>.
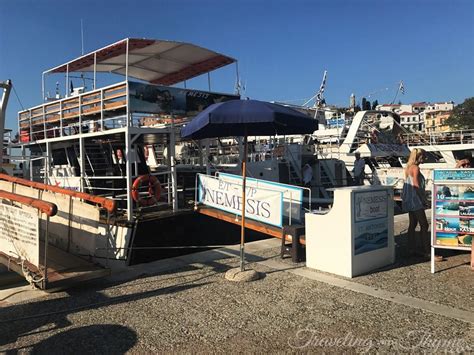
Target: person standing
<point x="307" y="175"/>
<point x="359" y="170"/>
<point x="414" y="202"/>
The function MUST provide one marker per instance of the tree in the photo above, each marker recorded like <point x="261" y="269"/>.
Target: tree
<point x="365" y="104"/>
<point x="375" y="104"/>
<point x="462" y="116"/>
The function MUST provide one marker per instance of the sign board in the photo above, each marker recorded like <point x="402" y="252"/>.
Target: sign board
<point x="370" y="220"/>
<point x="261" y="204"/>
<point x="453" y="208"/>
<point x="292" y="195"/>
<point x="19" y="233"/>
<point x="167" y="100"/>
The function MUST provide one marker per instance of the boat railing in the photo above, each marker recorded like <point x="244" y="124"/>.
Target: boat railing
<point x="439" y="138"/>
<point x="93" y="111"/>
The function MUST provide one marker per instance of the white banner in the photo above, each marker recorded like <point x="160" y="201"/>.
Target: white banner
<point x="292" y="195"/>
<point x="261" y="204"/>
<point x="19" y="233"/>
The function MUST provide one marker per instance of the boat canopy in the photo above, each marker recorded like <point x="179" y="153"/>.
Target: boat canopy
<point x="154" y="61"/>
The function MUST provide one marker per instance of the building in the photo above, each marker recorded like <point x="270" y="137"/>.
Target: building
<point x="435" y="116"/>
<point x="411" y="121"/>
<point x="435" y="121"/>
<point x="389" y="107"/>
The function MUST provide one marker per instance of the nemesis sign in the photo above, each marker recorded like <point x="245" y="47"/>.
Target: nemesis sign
<point x="262" y="205"/>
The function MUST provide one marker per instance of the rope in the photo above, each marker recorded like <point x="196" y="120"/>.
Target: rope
<point x="18" y="98"/>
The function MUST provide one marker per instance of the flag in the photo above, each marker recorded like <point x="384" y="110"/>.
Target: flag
<point x="319" y="95"/>
<point x="401" y="88"/>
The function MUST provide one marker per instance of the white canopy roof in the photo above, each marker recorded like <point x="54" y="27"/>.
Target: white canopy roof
<point x="154" y="61"/>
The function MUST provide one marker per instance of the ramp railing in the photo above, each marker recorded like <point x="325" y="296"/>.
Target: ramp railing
<point x="20" y="235"/>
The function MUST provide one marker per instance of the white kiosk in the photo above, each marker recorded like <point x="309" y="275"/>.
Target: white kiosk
<point x="356" y="235"/>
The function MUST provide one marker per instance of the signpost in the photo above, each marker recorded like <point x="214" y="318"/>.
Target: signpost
<point x="452" y="210"/>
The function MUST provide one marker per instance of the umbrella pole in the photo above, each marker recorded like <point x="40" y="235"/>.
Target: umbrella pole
<point x="242" y="230"/>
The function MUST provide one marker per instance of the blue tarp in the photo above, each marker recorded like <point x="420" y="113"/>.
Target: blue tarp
<point x="248" y="117"/>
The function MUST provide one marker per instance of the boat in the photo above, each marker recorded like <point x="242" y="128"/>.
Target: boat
<point x="118" y="141"/>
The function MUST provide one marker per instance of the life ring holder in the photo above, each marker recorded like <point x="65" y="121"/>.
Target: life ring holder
<point x="154" y="190"/>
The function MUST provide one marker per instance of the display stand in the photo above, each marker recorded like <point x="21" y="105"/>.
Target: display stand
<point x="356" y="235"/>
<point x="452" y="210"/>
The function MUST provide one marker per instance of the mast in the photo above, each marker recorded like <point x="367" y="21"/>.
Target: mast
<point x="6" y="88"/>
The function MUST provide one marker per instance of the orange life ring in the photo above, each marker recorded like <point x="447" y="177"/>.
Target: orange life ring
<point x="154" y="190"/>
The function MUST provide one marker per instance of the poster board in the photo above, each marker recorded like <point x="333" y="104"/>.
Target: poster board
<point x="452" y="210"/>
<point x="261" y="204"/>
<point x="370" y="221"/>
<point x="19" y="233"/>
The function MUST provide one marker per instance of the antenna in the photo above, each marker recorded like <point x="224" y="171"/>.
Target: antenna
<point x="82" y="39"/>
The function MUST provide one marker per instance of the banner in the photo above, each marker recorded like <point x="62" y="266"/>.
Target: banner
<point x="19" y="233"/>
<point x="166" y="100"/>
<point x="292" y="195"/>
<point x="261" y="204"/>
<point x="453" y="175"/>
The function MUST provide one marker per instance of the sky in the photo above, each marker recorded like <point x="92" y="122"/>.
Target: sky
<point x="282" y="46"/>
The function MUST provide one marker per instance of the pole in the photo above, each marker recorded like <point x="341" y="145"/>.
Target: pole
<point x="396" y="94"/>
<point x="242" y="230"/>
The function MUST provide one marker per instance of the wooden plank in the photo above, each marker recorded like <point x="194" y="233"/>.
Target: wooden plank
<point x="110" y="97"/>
<point x="114" y="105"/>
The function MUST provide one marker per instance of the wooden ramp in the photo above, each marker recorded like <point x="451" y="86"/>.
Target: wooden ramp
<point x="250" y="224"/>
<point x="64" y="269"/>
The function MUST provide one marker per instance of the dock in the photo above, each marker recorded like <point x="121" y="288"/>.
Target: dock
<point x="185" y="304"/>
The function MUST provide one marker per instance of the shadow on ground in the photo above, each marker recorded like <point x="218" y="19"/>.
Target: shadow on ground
<point x="48" y="315"/>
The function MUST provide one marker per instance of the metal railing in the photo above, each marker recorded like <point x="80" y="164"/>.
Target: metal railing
<point x="439" y="138"/>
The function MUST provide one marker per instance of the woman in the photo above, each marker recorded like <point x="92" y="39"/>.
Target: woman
<point x="414" y="202"/>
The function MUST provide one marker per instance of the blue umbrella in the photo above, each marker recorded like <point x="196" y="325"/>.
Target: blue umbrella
<point x="242" y="118"/>
<point x="247" y="117"/>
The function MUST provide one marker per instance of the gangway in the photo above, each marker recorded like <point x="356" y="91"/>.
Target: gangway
<point x="30" y="228"/>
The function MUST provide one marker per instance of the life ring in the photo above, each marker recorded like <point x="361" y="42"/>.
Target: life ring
<point x="154" y="190"/>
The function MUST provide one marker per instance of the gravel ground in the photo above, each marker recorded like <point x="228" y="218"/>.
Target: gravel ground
<point x="194" y="309"/>
<point x="188" y="306"/>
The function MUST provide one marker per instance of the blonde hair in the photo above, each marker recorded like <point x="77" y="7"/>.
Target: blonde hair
<point x="415" y="158"/>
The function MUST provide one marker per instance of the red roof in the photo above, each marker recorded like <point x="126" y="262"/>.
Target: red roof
<point x="408" y="114"/>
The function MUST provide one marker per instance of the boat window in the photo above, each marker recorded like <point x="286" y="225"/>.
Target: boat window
<point x="59" y="157"/>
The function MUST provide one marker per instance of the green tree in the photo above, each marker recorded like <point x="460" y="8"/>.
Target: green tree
<point x="375" y="104"/>
<point x="463" y="115"/>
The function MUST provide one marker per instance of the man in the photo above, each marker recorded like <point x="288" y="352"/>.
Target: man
<point x="307" y="175"/>
<point x="359" y="167"/>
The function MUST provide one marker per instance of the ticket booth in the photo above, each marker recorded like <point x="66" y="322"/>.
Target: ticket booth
<point x="356" y="235"/>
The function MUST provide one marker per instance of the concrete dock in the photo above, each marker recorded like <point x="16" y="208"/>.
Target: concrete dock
<point x="185" y="304"/>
